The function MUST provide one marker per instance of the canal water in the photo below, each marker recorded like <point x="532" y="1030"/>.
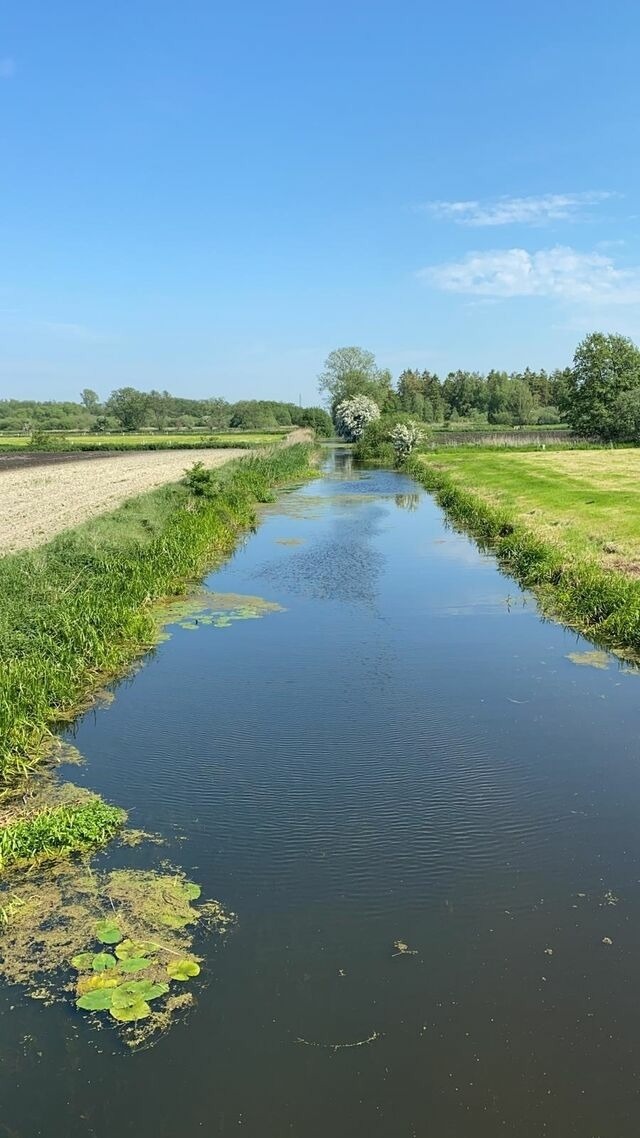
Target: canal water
<point x="422" y="800"/>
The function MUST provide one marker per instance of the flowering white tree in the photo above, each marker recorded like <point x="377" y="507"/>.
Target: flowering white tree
<point x="404" y="437"/>
<point x="352" y="415"/>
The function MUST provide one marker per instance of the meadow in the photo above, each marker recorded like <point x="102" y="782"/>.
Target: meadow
<point x="146" y="440"/>
<point x="586" y="502"/>
<point x="565" y="523"/>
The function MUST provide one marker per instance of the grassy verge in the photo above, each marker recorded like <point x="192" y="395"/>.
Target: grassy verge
<point x="547" y="527"/>
<point x="59" y="831"/>
<point x="80" y="609"/>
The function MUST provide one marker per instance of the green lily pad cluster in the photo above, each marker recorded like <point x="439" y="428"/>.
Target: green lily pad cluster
<point x="104" y="982"/>
<point x="218" y="609"/>
<point x="120" y="944"/>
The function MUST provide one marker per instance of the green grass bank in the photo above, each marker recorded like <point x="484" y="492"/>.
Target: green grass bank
<point x="79" y="610"/>
<point x="563" y="525"/>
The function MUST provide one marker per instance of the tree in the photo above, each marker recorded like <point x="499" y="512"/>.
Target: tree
<point x="605" y="368"/>
<point x="520" y="402"/>
<point x="353" y="371"/>
<point x="352" y="415"/>
<point x="318" y="419"/>
<point x="129" y="407"/>
<point x="90" y="399"/>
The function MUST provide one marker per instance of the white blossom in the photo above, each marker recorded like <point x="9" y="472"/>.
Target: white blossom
<point x="404" y="437"/>
<point x="352" y="415"/>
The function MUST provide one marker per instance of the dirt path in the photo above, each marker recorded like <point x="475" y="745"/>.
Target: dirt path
<point x="37" y="503"/>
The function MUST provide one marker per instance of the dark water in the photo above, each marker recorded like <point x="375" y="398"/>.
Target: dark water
<point x="406" y="753"/>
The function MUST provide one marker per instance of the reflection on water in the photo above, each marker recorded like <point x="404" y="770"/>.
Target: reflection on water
<point x="405" y="755"/>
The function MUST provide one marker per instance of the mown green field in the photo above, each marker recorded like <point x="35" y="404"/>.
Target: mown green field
<point x="144" y="441"/>
<point x="587" y="502"/>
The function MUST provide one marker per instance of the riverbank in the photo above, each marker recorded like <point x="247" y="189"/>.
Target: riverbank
<point x="564" y="524"/>
<point x="79" y="610"/>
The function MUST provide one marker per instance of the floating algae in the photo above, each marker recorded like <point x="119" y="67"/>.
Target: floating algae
<point x="217" y="609"/>
<point x="116" y="945"/>
<point x="592" y="659"/>
<point x="289" y="540"/>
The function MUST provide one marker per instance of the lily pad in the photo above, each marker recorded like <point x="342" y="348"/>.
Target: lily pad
<point x="138" y="1010"/>
<point x="97" y="980"/>
<point x="103" y="961"/>
<point x="107" y="932"/>
<point x="134" y="964"/>
<point x="135" y="990"/>
<point x="96" y="1001"/>
<point x="82" y="960"/>
<point x="182" y="969"/>
<point x="128" y="948"/>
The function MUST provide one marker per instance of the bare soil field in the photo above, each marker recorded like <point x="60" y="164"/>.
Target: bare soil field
<point x="46" y="494"/>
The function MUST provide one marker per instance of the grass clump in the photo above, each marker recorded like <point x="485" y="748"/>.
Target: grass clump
<point x="570" y="584"/>
<point x="80" y="609"/>
<point x="57" y="831"/>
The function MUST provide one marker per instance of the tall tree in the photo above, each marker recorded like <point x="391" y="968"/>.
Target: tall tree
<point x="129" y="407"/>
<point x="605" y="370"/>
<point x="90" y="399"/>
<point x="353" y="371"/>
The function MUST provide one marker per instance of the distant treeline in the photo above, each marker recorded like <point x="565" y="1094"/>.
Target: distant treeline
<point x="499" y="397"/>
<point x="131" y="410"/>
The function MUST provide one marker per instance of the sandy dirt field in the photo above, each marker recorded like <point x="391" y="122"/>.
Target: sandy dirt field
<point x="37" y="503"/>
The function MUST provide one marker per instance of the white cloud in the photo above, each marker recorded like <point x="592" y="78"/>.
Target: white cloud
<point x="7" y="67"/>
<point x="517" y="211"/>
<point x="561" y="272"/>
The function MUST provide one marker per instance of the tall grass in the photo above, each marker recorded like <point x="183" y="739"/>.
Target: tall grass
<point x="81" y="608"/>
<point x="58" y="831"/>
<point x="601" y="603"/>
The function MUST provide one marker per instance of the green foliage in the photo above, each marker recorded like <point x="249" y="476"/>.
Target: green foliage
<point x="58" y="831"/>
<point x="318" y="420"/>
<point x="349" y="372"/>
<point x="202" y="482"/>
<point x="603" y="387"/>
<point x="129" y="407"/>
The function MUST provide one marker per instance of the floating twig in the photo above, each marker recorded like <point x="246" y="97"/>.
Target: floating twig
<point x="340" y="1046"/>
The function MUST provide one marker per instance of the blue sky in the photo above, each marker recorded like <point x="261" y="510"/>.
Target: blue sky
<point x="210" y="197"/>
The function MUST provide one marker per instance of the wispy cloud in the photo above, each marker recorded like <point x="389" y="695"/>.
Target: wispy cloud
<point x="518" y="211"/>
<point x="560" y="272"/>
<point x="7" y="67"/>
<point x="75" y="332"/>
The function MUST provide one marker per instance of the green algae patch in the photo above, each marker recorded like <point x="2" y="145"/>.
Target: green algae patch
<point x="219" y="610"/>
<point x="100" y="942"/>
<point x="591" y="659"/>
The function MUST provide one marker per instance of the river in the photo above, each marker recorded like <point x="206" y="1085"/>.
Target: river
<point x="425" y="814"/>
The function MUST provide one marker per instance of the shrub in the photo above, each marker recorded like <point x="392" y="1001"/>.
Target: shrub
<point x="404" y="437"/>
<point x="353" y="415"/>
<point x="201" y="482"/>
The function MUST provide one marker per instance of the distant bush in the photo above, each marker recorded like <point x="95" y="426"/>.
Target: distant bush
<point x="41" y="441"/>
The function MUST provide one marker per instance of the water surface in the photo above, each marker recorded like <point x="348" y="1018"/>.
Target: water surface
<point x="405" y="753"/>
